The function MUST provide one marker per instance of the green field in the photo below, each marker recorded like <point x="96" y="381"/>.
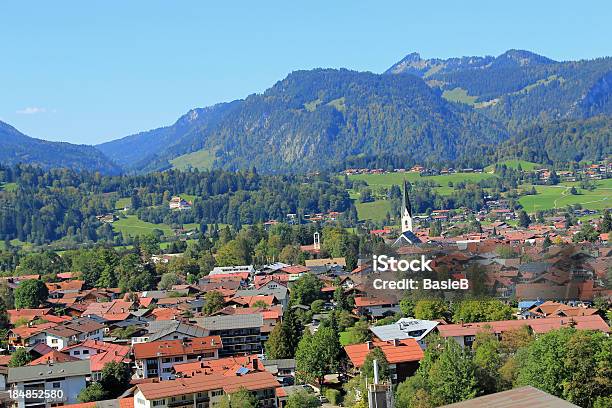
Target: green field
<point x="513" y="164"/>
<point x="389" y="179"/>
<point x="559" y="196"/>
<point x="188" y="197"/>
<point x="123" y="203"/>
<point x="8" y="186"/>
<point x="132" y="226"/>
<point x="344" y="338"/>
<point x="17" y="243"/>
<point x="202" y="160"/>
<point x="375" y="210"/>
<point x="459" y="95"/>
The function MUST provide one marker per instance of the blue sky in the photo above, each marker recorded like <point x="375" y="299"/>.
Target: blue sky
<point x="87" y="72"/>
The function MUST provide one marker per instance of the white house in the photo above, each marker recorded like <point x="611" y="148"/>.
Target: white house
<point x="62" y="383"/>
<point x="74" y="331"/>
<point x="405" y="328"/>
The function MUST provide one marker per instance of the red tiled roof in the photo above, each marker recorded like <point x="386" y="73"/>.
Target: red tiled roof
<point x="53" y="356"/>
<point x="4" y="360"/>
<point x="293" y="269"/>
<point x="28" y="314"/>
<point x="27" y="331"/>
<point x="219" y="366"/>
<point x="165" y="313"/>
<point x="176" y="347"/>
<point x="251" y="300"/>
<point x="106" y="352"/>
<point x="406" y="350"/>
<point x="66" y="285"/>
<point x="104" y="309"/>
<point x="252" y="382"/>
<point x="594" y="322"/>
<point x="127" y="402"/>
<point x="281" y="278"/>
<point x="370" y="301"/>
<point x="229" y="276"/>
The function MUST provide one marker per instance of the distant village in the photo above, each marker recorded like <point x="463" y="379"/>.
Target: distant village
<point x="180" y="351"/>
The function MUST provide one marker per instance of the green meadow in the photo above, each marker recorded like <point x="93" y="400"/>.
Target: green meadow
<point x="559" y="196"/>
<point x="202" y="160"/>
<point x="8" y="186"/>
<point x="389" y="179"/>
<point x="514" y="163"/>
<point x="132" y="226"/>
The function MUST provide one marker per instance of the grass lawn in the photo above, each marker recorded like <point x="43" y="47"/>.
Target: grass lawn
<point x="188" y="197"/>
<point x="513" y="164"/>
<point x="132" y="226"/>
<point x="17" y="243"/>
<point x="122" y="203"/>
<point x="389" y="179"/>
<point x="375" y="210"/>
<point x="344" y="338"/>
<point x="8" y="186"/>
<point x="549" y="197"/>
<point x="202" y="160"/>
<point x="459" y="95"/>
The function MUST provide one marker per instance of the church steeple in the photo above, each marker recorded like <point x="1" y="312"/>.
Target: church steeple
<point x="406" y="210"/>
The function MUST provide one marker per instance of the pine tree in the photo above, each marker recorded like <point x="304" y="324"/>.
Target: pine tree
<point x="606" y="223"/>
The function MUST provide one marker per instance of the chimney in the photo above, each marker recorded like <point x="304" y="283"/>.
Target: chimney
<point x="396" y="342"/>
<point x="255" y="364"/>
<point x="370" y="345"/>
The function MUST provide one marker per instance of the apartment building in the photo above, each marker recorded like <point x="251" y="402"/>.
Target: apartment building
<point x="156" y="359"/>
<point x="62" y="383"/>
<point x="206" y="391"/>
<point x="240" y="334"/>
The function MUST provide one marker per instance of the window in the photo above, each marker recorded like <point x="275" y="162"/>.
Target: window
<point x="469" y="340"/>
<point x="85" y="351"/>
<point x="157" y="403"/>
<point x="53" y="341"/>
<point x="177" y="359"/>
<point x="166" y="360"/>
<point x="216" y="393"/>
<point x="77" y="352"/>
<point x="57" y="385"/>
<point x="140" y="401"/>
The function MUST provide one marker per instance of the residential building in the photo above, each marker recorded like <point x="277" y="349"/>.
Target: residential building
<point x="68" y="378"/>
<point x="405" y="328"/>
<point x="224" y="270"/>
<point x="99" y="353"/>
<point x="74" y="331"/>
<point x="403" y="356"/>
<point x="239" y="334"/>
<point x="194" y="392"/>
<point x="156" y="359"/>
<point x="376" y="307"/>
<point x="465" y="333"/>
<point x="178" y="203"/>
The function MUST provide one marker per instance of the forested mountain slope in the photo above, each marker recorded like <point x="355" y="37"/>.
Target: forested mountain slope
<point x="15" y="147"/>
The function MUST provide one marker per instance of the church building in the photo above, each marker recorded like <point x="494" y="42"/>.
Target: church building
<point x="407" y="236"/>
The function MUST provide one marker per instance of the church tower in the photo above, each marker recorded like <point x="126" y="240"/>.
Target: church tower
<point x="406" y="210"/>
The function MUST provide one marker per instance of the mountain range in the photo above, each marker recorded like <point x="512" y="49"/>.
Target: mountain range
<point x="467" y="110"/>
<point x="15" y="147"/>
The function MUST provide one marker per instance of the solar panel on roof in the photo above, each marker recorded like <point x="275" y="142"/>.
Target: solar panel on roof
<point x="242" y="371"/>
